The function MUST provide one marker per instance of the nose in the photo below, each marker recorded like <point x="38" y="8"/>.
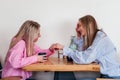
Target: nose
<point x="39" y="35"/>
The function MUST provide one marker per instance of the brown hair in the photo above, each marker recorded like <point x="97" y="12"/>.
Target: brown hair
<point x="90" y="25"/>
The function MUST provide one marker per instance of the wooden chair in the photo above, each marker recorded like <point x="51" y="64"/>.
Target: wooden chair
<point x="11" y="78"/>
<point x="105" y="79"/>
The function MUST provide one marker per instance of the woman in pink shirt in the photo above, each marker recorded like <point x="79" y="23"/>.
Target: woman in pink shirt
<point x="23" y="51"/>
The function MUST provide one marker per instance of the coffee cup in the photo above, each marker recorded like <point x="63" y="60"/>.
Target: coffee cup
<point x="43" y="54"/>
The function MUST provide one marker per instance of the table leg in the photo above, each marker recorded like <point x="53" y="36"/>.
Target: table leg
<point x="64" y="76"/>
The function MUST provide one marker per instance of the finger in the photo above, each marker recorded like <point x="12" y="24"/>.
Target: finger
<point x="43" y="61"/>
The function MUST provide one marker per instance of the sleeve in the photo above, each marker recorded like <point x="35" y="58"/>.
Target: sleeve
<point x="79" y="43"/>
<point x="87" y="56"/>
<point x="37" y="50"/>
<point x="17" y="59"/>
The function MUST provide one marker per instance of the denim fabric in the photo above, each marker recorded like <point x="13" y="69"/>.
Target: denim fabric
<point x="87" y="79"/>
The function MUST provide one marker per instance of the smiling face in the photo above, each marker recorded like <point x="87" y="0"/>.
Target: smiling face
<point x="87" y="27"/>
<point x="80" y="29"/>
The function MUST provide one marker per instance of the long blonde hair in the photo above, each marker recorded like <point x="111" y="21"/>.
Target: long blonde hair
<point x="27" y="32"/>
<point x="90" y="25"/>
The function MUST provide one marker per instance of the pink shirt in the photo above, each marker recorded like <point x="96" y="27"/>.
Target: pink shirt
<point x="17" y="58"/>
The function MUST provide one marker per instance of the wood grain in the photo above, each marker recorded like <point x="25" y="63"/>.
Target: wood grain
<point x="58" y="64"/>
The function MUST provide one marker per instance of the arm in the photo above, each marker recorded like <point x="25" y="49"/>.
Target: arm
<point x="78" y="42"/>
<point x="87" y="56"/>
<point x="81" y="57"/>
<point x="17" y="56"/>
<point x="48" y="51"/>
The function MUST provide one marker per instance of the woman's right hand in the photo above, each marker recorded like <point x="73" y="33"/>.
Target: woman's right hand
<point x="52" y="47"/>
<point x="40" y="58"/>
<point x="78" y="32"/>
<point x="59" y="46"/>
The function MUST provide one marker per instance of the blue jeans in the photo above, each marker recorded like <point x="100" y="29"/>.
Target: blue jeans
<point x="106" y="76"/>
<point x="87" y="79"/>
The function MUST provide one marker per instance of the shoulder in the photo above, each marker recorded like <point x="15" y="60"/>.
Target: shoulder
<point x="101" y="34"/>
<point x="103" y="40"/>
<point x="19" y="44"/>
<point x="100" y="38"/>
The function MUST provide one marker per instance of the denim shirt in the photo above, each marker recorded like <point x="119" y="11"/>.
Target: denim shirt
<point x="102" y="51"/>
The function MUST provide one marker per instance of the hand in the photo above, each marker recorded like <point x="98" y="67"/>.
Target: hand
<point x="77" y="31"/>
<point x="41" y="59"/>
<point x="78" y="35"/>
<point x="52" y="47"/>
<point x="59" y="46"/>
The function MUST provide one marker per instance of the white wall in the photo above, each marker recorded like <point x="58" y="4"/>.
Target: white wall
<point x="58" y="19"/>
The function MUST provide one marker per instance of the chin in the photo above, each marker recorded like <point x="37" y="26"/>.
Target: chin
<point x="35" y="40"/>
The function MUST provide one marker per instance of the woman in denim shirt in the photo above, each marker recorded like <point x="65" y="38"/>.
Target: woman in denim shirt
<point x="93" y="45"/>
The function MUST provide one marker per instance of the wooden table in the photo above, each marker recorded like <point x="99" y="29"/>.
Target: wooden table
<point x="58" y="64"/>
<point x="62" y="68"/>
